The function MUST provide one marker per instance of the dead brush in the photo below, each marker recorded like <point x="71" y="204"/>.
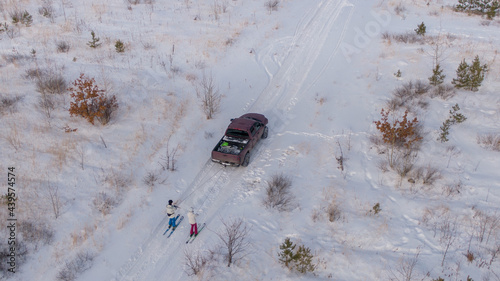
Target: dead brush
<point x="428" y="175"/>
<point x="278" y="194"/>
<point x="489" y="141"/>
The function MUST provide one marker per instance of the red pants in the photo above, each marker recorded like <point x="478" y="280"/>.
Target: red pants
<point x="194" y="227"/>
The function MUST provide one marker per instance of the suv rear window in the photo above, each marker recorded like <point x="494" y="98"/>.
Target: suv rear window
<point x="237" y="133"/>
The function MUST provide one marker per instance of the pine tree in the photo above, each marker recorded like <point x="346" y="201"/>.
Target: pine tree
<point x="493" y="9"/>
<point x="476" y="71"/>
<point x="463" y="76"/>
<point x="287" y="254"/>
<point x="420" y="30"/>
<point x="304" y="262"/>
<point x="119" y="46"/>
<point x="465" y="5"/>
<point x="437" y="77"/>
<point x="94" y="43"/>
<point x="455" y="117"/>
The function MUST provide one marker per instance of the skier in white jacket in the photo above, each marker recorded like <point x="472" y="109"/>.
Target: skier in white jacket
<point x="192" y="221"/>
<point x="171" y="213"/>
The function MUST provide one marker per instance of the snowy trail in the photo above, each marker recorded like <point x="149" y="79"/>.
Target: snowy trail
<point x="310" y="39"/>
<point x="215" y="187"/>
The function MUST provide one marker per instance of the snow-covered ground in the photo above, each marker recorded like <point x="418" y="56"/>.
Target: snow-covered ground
<point x="319" y="70"/>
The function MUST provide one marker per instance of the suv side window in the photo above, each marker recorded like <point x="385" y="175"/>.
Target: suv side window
<point x="255" y="128"/>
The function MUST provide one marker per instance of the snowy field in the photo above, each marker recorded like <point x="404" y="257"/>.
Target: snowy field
<point x="90" y="199"/>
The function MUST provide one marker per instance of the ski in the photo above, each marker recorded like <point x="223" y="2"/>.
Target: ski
<point x="191" y="238"/>
<point x="177" y="225"/>
<point x="169" y="225"/>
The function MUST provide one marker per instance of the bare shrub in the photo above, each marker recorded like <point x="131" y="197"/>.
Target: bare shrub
<point x="405" y="269"/>
<point x="36" y="232"/>
<point x="449" y="229"/>
<point x="428" y="175"/>
<point x="51" y="84"/>
<point x="13" y="137"/>
<point x="272" y="5"/>
<point x="71" y="270"/>
<point x="400" y="9"/>
<point x="443" y="91"/>
<point x="383" y="166"/>
<point x="452" y="188"/>
<point x="333" y="211"/>
<point x="21" y="256"/>
<point x="197" y="263"/>
<point x="489" y="141"/>
<point x="118" y="183"/>
<point x="104" y="203"/>
<point x="168" y="160"/>
<point x="409" y="38"/>
<point x="46" y="104"/>
<point x="421" y="87"/>
<point x="34" y="73"/>
<point x="52" y="195"/>
<point x="63" y="46"/>
<point x="278" y="194"/>
<point x="209" y="95"/>
<point x="9" y="104"/>
<point x="486" y="225"/>
<point x="47" y="10"/>
<point x="150" y="179"/>
<point x="405" y="96"/>
<point x="15" y="58"/>
<point x="234" y="236"/>
<point x="386" y="36"/>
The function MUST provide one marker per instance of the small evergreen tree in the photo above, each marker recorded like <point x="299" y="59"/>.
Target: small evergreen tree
<point x="437" y="77"/>
<point x="119" y="46"/>
<point x="305" y="260"/>
<point x="4" y="27"/>
<point x="22" y="17"/>
<point x="455" y="117"/>
<point x="491" y="12"/>
<point x="420" y="30"/>
<point x="465" y="5"/>
<point x="485" y="7"/>
<point x="476" y="74"/>
<point x="287" y="256"/>
<point x="463" y="76"/>
<point x="300" y="259"/>
<point x="445" y="131"/>
<point x="94" y="43"/>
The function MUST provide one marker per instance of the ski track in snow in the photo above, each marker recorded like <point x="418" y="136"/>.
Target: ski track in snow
<point x="214" y="184"/>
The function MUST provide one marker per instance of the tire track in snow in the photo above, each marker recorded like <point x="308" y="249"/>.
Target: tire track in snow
<point x="306" y="45"/>
<point x="153" y="249"/>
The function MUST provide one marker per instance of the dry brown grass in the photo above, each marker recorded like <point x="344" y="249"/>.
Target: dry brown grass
<point x="79" y="236"/>
<point x="489" y="141"/>
<point x="62" y="150"/>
